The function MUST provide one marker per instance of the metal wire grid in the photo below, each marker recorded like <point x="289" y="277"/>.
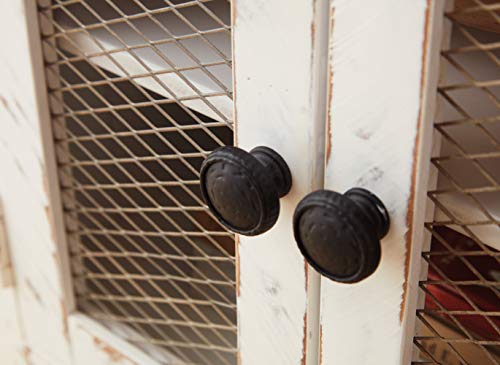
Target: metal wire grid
<point x="459" y="322"/>
<point x="148" y="259"/>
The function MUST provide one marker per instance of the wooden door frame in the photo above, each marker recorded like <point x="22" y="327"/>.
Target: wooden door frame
<point x="272" y="274"/>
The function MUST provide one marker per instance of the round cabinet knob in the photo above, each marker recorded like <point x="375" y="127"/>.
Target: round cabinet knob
<point x="243" y="189"/>
<point x="339" y="234"/>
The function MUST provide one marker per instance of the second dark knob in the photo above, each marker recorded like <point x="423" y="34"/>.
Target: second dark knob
<point x="339" y="234"/>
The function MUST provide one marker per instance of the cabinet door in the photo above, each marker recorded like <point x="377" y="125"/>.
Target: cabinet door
<point x="413" y="117"/>
<point x="37" y="293"/>
<point x="111" y="108"/>
<point x="384" y="58"/>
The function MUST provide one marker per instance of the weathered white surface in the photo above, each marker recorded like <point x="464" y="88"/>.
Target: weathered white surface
<point x="6" y="272"/>
<point x="28" y="189"/>
<point x="381" y="105"/>
<point x="12" y="350"/>
<point x="436" y="73"/>
<point x="95" y="344"/>
<point x="279" y="74"/>
<point x="23" y="190"/>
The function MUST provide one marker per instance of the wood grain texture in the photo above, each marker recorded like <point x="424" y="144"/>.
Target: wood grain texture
<point x="381" y="106"/>
<point x="280" y="50"/>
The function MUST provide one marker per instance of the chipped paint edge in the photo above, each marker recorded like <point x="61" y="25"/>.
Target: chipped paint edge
<point x="423" y="178"/>
<point x="95" y="344"/>
<point x="416" y="160"/>
<point x="416" y="154"/>
<point x="315" y="96"/>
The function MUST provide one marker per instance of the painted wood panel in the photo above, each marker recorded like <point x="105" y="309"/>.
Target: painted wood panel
<point x="38" y="313"/>
<point x="12" y="349"/>
<point x="92" y="343"/>
<point x="382" y="91"/>
<point x="280" y="50"/>
<point x="24" y="191"/>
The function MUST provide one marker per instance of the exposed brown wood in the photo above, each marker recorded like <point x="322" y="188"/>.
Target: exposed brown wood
<point x="113" y="354"/>
<point x="304" y="338"/>
<point x="320" y="345"/>
<point x="328" y="148"/>
<point x="6" y="272"/>
<point x="411" y="200"/>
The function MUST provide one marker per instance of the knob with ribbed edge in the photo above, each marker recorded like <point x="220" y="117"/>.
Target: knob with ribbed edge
<point x="339" y="234"/>
<point x="242" y="189"/>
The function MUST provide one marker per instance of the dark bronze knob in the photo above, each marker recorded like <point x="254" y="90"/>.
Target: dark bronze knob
<point x="339" y="234"/>
<point x="243" y="189"/>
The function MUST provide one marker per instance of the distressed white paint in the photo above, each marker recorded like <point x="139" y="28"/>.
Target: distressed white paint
<point x="23" y="190"/>
<point x="274" y="295"/>
<point x="95" y="344"/>
<point x="37" y="314"/>
<point x="11" y="340"/>
<point x="6" y="272"/>
<point x="425" y="177"/>
<point x="12" y="350"/>
<point x="442" y="29"/>
<point x="375" y="105"/>
<point x="279" y="51"/>
<point x="380" y="121"/>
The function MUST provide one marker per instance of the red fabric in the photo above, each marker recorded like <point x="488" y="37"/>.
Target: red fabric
<point x="463" y="297"/>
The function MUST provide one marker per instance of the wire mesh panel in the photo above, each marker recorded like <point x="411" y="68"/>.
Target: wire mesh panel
<point x="459" y="320"/>
<point x="140" y="93"/>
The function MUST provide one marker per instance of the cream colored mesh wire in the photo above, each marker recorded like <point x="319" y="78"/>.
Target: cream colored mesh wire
<point x="140" y="92"/>
<point x="459" y="322"/>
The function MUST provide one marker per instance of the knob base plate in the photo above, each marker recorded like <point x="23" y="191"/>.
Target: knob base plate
<point x="369" y="202"/>
<point x="277" y="166"/>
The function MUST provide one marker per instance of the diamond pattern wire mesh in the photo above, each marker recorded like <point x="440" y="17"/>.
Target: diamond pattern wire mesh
<point x="459" y="322"/>
<point x="140" y="92"/>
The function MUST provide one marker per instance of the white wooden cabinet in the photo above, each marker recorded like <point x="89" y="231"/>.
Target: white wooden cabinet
<point x="108" y="254"/>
